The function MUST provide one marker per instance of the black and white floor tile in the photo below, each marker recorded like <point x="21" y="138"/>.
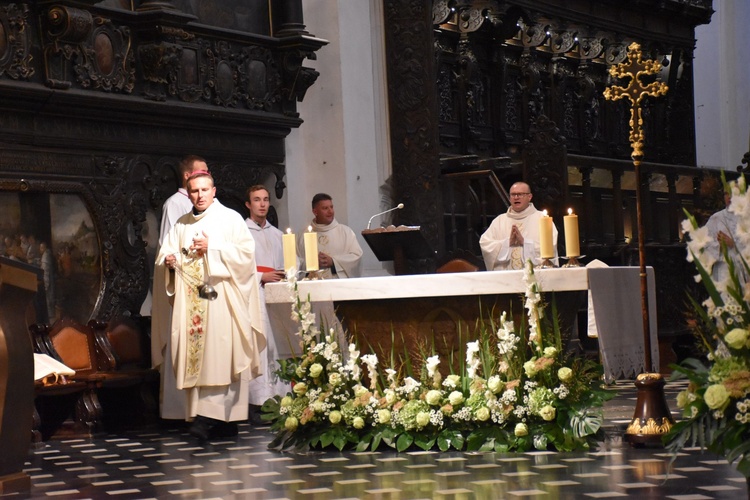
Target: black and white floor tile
<point x="169" y="463"/>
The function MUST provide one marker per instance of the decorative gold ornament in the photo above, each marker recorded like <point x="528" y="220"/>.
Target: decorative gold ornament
<point x="635" y="91"/>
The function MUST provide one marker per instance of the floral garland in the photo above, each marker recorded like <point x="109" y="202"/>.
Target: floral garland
<point x="716" y="404"/>
<point x="512" y="392"/>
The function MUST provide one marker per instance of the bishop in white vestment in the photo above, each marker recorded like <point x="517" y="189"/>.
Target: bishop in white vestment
<point x="215" y="344"/>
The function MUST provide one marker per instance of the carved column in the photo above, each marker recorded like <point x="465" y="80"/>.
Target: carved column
<point x="155" y="5"/>
<point x="292" y="20"/>
<point x="413" y="116"/>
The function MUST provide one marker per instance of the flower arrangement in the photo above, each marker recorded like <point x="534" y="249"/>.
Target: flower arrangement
<point x="513" y="390"/>
<point x="716" y="405"/>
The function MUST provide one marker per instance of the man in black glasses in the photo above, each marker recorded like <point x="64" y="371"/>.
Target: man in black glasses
<point x="513" y="237"/>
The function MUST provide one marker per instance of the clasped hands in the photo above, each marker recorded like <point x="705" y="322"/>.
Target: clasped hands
<point x="324" y="260"/>
<point x="723" y="237"/>
<point x="516" y="238"/>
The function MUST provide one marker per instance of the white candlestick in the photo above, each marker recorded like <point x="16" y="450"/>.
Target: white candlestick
<point x="289" y="244"/>
<point x="572" y="246"/>
<point x="545" y="237"/>
<point x="311" y="250"/>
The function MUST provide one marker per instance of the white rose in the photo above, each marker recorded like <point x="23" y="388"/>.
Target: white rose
<point x="565" y="374"/>
<point x="390" y="396"/>
<point x="521" y="430"/>
<point x="315" y="370"/>
<point x="495" y="384"/>
<point x="358" y="423"/>
<point x="423" y="418"/>
<point x="300" y="388"/>
<point x="334" y="379"/>
<point x="483" y="414"/>
<point x="384" y="416"/>
<point x="456" y="398"/>
<point x="433" y="397"/>
<point x="547" y="413"/>
<point x="334" y="417"/>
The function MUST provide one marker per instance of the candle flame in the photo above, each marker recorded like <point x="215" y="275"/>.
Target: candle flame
<point x="570" y="211"/>
<point x="309" y="229"/>
<point x="289" y="230"/>
<point x="544" y="212"/>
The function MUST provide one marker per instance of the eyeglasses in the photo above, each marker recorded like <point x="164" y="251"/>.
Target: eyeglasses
<point x="518" y="195"/>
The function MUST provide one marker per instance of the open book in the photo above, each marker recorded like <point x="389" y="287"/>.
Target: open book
<point x="49" y="370"/>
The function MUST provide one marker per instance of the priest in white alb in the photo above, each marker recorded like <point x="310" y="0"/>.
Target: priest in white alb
<point x="339" y="252"/>
<point x="513" y="237"/>
<point x="216" y="344"/>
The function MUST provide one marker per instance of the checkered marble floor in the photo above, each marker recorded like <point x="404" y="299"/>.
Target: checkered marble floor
<point x="168" y="463"/>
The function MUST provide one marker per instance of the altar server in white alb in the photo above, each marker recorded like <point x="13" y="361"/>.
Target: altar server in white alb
<point x="513" y="237"/>
<point x="339" y="253"/>
<point x="269" y="260"/>
<point x="171" y="401"/>
<point x="216" y="344"/>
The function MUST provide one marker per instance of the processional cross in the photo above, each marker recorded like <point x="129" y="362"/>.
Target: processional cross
<point x="644" y="426"/>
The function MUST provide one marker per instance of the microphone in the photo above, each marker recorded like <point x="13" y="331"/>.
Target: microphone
<point x="397" y="207"/>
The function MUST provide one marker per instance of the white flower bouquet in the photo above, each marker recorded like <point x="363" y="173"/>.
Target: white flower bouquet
<point x="716" y="404"/>
<point x="514" y="390"/>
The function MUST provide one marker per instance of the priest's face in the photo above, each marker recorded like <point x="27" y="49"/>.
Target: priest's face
<point x="323" y="212"/>
<point x="520" y="196"/>
<point x="201" y="192"/>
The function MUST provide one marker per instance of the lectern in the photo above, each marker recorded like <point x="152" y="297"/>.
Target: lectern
<point x="398" y="243"/>
<point x="18" y="285"/>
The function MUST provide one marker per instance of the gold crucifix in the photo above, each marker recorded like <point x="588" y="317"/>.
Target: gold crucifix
<point x="652" y="418"/>
<point x="634" y="69"/>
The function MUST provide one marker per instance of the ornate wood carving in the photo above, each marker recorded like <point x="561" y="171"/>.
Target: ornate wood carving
<point x="114" y="98"/>
<point x="15" y="45"/>
<point x="413" y="111"/>
<point x="546" y="166"/>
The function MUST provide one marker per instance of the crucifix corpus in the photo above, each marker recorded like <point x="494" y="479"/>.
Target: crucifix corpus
<point x="652" y="417"/>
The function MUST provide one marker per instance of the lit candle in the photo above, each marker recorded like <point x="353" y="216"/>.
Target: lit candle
<point x="570" y="222"/>
<point x="545" y="236"/>
<point x="311" y="250"/>
<point x="290" y="250"/>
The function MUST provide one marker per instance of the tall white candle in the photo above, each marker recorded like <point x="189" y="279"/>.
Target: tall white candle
<point x="311" y="250"/>
<point x="289" y="244"/>
<point x="545" y="237"/>
<point x="572" y="246"/>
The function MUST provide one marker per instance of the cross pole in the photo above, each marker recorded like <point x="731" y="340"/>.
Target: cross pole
<point x="652" y="417"/>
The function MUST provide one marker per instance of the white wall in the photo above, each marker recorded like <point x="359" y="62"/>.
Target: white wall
<point x="722" y="85"/>
<point x="342" y="148"/>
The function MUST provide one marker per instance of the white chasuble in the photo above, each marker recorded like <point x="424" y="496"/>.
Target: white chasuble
<point x="214" y="343"/>
<point x="497" y="252"/>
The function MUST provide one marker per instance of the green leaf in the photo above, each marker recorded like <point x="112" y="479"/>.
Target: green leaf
<point x="424" y="442"/>
<point x="404" y="441"/>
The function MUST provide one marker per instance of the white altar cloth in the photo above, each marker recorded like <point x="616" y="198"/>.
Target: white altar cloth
<point x="616" y="291"/>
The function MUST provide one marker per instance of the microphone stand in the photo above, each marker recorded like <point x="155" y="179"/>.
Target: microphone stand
<point x="397" y="207"/>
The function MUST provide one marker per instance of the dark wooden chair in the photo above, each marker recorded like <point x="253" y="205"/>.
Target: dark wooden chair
<point x="71" y="407"/>
<point x="460" y="261"/>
